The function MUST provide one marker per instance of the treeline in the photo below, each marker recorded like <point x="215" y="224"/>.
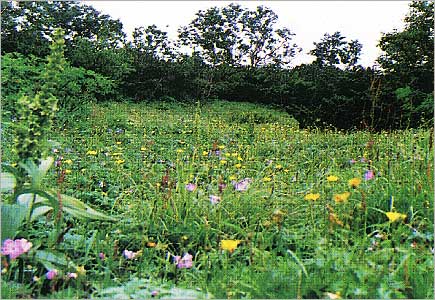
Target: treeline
<point x="235" y="54"/>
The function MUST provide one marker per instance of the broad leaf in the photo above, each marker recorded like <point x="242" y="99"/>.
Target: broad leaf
<point x="12" y="216"/>
<point x="51" y="259"/>
<point x="7" y="182"/>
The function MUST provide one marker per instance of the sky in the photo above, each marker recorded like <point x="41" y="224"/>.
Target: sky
<point x="309" y="20"/>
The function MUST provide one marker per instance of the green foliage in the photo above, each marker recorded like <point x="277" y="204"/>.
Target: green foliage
<point x="127" y="162"/>
<point x="333" y="50"/>
<point x="408" y="63"/>
<point x="237" y="36"/>
<point x="146" y="289"/>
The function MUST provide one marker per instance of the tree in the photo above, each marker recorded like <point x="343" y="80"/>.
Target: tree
<point x="334" y="50"/>
<point x="261" y="44"/>
<point x="29" y="26"/>
<point x="408" y="65"/>
<point x="236" y="36"/>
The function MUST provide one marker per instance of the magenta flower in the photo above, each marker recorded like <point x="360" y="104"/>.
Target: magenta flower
<point x="102" y="256"/>
<point x="185" y="262"/>
<point x="214" y="199"/>
<point x="242" y="185"/>
<point x="15" y="248"/>
<point x="191" y="187"/>
<point x="51" y="274"/>
<point x="352" y="161"/>
<point x="369" y="175"/>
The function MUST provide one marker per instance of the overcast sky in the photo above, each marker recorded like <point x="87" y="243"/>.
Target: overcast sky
<point x="309" y="20"/>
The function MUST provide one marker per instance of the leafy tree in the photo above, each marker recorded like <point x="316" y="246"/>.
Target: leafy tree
<point x="29" y="25"/>
<point x="236" y="36"/>
<point x="261" y="44"/>
<point x="408" y="62"/>
<point x="334" y="50"/>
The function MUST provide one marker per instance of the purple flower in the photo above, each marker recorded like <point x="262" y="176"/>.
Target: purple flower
<point x="190" y="187"/>
<point x="102" y="256"/>
<point x="363" y="160"/>
<point x="51" y="274"/>
<point x="369" y="175"/>
<point x="214" y="199"/>
<point x="184" y="262"/>
<point x="154" y="293"/>
<point x="15" y="248"/>
<point x="352" y="161"/>
<point x="242" y="185"/>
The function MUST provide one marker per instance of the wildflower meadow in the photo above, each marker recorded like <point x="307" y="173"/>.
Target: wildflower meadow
<point x="130" y="170"/>
<point x="202" y="200"/>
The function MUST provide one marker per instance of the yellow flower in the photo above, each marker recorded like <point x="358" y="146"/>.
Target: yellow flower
<point x="354" y="182"/>
<point x="341" y="197"/>
<point x="238" y="166"/>
<point x="119" y="161"/>
<point x="116" y="153"/>
<point x="227" y="154"/>
<point x="142" y="148"/>
<point x="229" y="245"/>
<point x="267" y="179"/>
<point x="332" y="178"/>
<point x="233" y="177"/>
<point x="278" y="215"/>
<point x="68" y="162"/>
<point x="311" y="196"/>
<point x="205" y="153"/>
<point x="67" y="171"/>
<point x="180" y="150"/>
<point x="395" y="216"/>
<point x="221" y="147"/>
<point x="81" y="270"/>
<point x="234" y="154"/>
<point x="118" y="143"/>
<point x="239" y="158"/>
<point x="223" y="162"/>
<point x="91" y="152"/>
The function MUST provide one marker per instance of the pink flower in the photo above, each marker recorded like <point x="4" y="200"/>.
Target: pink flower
<point x="242" y="185"/>
<point x="154" y="293"/>
<point x="352" y="161"/>
<point x="72" y="275"/>
<point x="369" y="175"/>
<point x="185" y="262"/>
<point x="129" y="254"/>
<point x="51" y="274"/>
<point x="190" y="187"/>
<point x="15" y="248"/>
<point x="102" y="256"/>
<point x="214" y="199"/>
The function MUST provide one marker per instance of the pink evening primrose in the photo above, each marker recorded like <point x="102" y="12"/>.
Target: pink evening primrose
<point x="129" y="254"/>
<point x="191" y="187"/>
<point x="369" y="175"/>
<point x="214" y="199"/>
<point x="242" y="185"/>
<point x="51" y="274"/>
<point x="185" y="262"/>
<point x="15" y="248"/>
